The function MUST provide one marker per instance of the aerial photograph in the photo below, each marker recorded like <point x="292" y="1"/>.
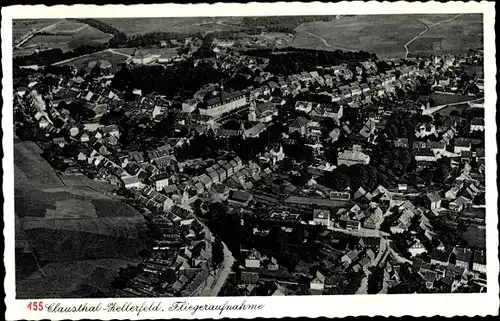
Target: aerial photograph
<point x="249" y="156"/>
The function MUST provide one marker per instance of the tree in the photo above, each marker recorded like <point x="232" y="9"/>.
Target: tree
<point x="217" y="253"/>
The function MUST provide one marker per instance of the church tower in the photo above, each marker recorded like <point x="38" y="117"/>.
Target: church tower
<point x="252" y="116"/>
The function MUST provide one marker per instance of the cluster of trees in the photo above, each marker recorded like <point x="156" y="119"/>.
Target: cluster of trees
<point x="287" y="61"/>
<point x="125" y="275"/>
<point x="77" y="110"/>
<point x="217" y="253"/>
<point x="152" y="39"/>
<point x="285" y="24"/>
<point x="386" y="167"/>
<point x="119" y="38"/>
<point x="47" y="57"/>
<point x="201" y="146"/>
<point x="170" y="81"/>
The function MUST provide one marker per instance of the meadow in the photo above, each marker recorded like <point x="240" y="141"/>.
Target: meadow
<point x="66" y="35"/>
<point x="21" y="26"/>
<point x="187" y="25"/>
<point x="439" y="99"/>
<point x="386" y="35"/>
<point x="79" y="235"/>
<point x="82" y="61"/>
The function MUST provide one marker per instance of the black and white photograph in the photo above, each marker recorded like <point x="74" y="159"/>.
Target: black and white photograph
<point x="250" y="156"/>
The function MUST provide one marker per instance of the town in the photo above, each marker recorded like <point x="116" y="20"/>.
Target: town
<point x="271" y="171"/>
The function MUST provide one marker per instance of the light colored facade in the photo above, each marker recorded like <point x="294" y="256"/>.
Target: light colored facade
<point x="219" y="109"/>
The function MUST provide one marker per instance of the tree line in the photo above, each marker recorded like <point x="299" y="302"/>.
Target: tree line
<point x="287" y="61"/>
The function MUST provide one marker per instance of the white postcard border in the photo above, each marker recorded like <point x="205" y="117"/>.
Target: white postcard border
<point x="307" y="306"/>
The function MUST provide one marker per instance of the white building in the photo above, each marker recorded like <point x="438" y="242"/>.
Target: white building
<point x="352" y="157"/>
<point x="224" y="103"/>
<point x="321" y="217"/>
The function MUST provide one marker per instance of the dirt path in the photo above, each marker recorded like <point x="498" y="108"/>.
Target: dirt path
<point x="324" y="41"/>
<point x="424" y="31"/>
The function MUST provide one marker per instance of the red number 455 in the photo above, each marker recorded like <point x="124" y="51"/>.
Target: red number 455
<point x="35" y="306"/>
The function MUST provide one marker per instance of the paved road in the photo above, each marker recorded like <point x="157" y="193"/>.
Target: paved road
<point x="360" y="233"/>
<point x="432" y="110"/>
<point x="224" y="272"/>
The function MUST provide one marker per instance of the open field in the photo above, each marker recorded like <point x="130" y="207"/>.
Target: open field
<point x="386" y="35"/>
<point x="82" y="61"/>
<point x="66" y="36"/>
<point x="439" y="99"/>
<point x="76" y="232"/>
<point x="21" y="26"/>
<point x="70" y="279"/>
<point x="446" y="111"/>
<point x="154" y="51"/>
<point x="68" y="27"/>
<point x="187" y="25"/>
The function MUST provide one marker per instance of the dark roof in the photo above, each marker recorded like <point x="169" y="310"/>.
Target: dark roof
<point x="440" y="256"/>
<point x="463" y="255"/>
<point x="433" y="196"/>
<point x="224" y="98"/>
<point x="480" y="257"/>
<point x="462" y="142"/>
<point x="424" y="152"/>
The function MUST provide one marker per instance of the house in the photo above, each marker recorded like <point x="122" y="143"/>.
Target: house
<point x="253" y="259"/>
<point x="273" y="264"/>
<point x="240" y="197"/>
<point x="60" y="141"/>
<point x="298" y="125"/>
<point x="433" y="200"/>
<point x="425" y="155"/>
<point x="132" y="182"/>
<point x="452" y="193"/>
<point x="162" y="180"/>
<point x="318" y="283"/>
<point x="321" y="217"/>
<point x="417" y="248"/>
<point x="368" y="128"/>
<point x="440" y="257"/>
<point x="349" y="257"/>
<point x="477" y="124"/>
<point x="375" y="216"/>
<point x="479" y="261"/>
<point x="221" y="190"/>
<point x="352" y="225"/>
<point x="254" y="131"/>
<point x="353" y="157"/>
<point x="111" y="130"/>
<point x="458" y="204"/>
<point x="463" y="258"/>
<point x="370" y="242"/>
<point x="429" y="278"/>
<point x="461" y="145"/>
<point x="263" y="113"/>
<point x="249" y="277"/>
<point x="334" y="111"/>
<point x="304" y="106"/>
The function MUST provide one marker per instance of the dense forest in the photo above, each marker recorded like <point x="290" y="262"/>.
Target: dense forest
<point x="169" y="81"/>
<point x="288" y="61"/>
<point x="281" y="23"/>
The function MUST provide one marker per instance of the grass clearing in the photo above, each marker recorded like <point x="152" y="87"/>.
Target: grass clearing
<point x="386" y="35"/>
<point x="83" y="61"/>
<point x="439" y="99"/>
